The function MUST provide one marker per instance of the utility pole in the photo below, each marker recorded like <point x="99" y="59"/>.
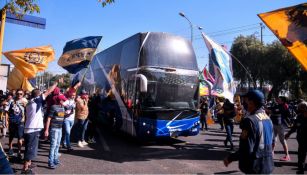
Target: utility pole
<point x="261" y="33"/>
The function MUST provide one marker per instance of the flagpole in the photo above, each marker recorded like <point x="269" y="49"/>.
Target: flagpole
<point x="3" y="19"/>
<point x="87" y="67"/>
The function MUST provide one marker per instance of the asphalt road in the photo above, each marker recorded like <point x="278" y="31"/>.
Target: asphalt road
<point x="116" y="153"/>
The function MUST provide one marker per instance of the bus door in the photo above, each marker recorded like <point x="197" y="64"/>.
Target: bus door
<point x="131" y="106"/>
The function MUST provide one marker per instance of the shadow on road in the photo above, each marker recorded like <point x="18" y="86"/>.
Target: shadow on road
<point x="127" y="149"/>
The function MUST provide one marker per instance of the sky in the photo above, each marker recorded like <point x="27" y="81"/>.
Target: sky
<point x="222" y="20"/>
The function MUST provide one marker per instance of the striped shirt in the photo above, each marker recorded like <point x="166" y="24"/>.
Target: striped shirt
<point x="57" y="113"/>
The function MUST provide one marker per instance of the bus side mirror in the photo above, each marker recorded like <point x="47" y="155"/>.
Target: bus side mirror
<point x="143" y="82"/>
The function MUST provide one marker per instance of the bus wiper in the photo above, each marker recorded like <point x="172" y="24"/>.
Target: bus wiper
<point x="189" y="109"/>
<point x="163" y="68"/>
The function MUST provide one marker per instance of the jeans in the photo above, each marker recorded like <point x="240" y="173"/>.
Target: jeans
<point x="82" y="126"/>
<point x="67" y="126"/>
<point x="5" y="167"/>
<point x="301" y="154"/>
<point x="229" y="131"/>
<point x="55" y="141"/>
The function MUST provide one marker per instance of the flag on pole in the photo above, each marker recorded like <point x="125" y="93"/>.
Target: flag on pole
<point x="78" y="53"/>
<point x="204" y="85"/>
<point x="31" y="60"/>
<point x="290" y="27"/>
<point x="17" y="80"/>
<point x="222" y="63"/>
<point x="207" y="76"/>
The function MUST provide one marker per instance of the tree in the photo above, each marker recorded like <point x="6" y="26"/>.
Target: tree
<point x="249" y="51"/>
<point x="30" y="6"/>
<point x="268" y="64"/>
<point x="281" y="68"/>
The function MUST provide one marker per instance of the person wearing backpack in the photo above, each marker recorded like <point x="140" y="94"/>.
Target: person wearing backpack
<point x="16" y="116"/>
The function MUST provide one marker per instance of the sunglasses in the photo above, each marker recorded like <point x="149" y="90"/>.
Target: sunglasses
<point x="19" y="93"/>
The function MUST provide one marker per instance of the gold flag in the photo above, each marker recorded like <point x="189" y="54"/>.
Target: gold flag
<point x="290" y="26"/>
<point x="30" y="61"/>
<point x="16" y="80"/>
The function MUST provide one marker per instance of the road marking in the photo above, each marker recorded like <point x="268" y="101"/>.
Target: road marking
<point x="103" y="141"/>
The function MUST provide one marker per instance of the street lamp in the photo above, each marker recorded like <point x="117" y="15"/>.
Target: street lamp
<point x="191" y="25"/>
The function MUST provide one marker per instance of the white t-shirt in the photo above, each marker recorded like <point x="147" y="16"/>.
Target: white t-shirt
<point x="34" y="115"/>
<point x="70" y="107"/>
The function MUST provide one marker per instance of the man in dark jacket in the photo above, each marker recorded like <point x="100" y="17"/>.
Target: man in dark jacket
<point x="255" y="148"/>
<point x="300" y="126"/>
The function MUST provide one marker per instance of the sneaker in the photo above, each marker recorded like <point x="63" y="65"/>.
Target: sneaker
<point x="84" y="143"/>
<point x="80" y="144"/>
<point x="92" y="140"/>
<point x="64" y="146"/>
<point x="285" y="158"/>
<point x="69" y="149"/>
<point x="51" y="166"/>
<point x="10" y="153"/>
<point x="57" y="163"/>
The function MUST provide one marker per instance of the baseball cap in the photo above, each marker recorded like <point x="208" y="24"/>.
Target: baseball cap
<point x="255" y="96"/>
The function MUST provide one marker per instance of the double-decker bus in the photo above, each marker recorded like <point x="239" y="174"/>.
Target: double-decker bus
<point x="147" y="85"/>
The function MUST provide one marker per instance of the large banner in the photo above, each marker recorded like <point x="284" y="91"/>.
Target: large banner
<point x="290" y="26"/>
<point x="222" y="63"/>
<point x="31" y="60"/>
<point x="77" y="54"/>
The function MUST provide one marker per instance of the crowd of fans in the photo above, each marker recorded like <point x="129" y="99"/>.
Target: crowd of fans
<point x="47" y="115"/>
<point x="51" y="115"/>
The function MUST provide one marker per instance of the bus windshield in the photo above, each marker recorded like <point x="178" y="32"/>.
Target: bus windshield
<point x="169" y="91"/>
<point x="168" y="51"/>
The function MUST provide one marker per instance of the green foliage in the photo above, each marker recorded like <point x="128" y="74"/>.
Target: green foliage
<point x="47" y="79"/>
<point x="22" y="6"/>
<point x="268" y="64"/>
<point x="105" y="2"/>
<point x="30" y="6"/>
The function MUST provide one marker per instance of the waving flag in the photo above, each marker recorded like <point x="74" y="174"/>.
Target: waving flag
<point x="77" y="54"/>
<point x="222" y="63"/>
<point x="30" y="61"/>
<point x="17" y="80"/>
<point x="290" y="26"/>
<point x="208" y="76"/>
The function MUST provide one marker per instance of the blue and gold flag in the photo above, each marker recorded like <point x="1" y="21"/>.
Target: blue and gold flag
<point x="77" y="54"/>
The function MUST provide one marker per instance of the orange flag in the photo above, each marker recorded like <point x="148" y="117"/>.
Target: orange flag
<point x="290" y="26"/>
<point x="30" y="61"/>
<point x="16" y="80"/>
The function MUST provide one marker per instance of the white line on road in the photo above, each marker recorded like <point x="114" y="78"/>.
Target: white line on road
<point x="103" y="141"/>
